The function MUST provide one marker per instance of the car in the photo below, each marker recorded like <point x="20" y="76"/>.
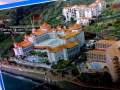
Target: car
<point x="90" y="44"/>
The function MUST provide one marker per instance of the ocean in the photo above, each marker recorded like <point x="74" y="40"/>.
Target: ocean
<point x="12" y="82"/>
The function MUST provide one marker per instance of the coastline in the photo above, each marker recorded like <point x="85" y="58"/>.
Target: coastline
<point x="57" y="85"/>
<point x="44" y="81"/>
<point x="26" y="75"/>
<point x="36" y="78"/>
<point x="13" y="75"/>
<point x="40" y="83"/>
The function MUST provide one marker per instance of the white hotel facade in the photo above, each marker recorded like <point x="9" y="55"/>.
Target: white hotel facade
<point x="82" y="14"/>
<point x="60" y="43"/>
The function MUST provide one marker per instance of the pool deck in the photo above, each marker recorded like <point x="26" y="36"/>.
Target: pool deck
<point x="51" y="42"/>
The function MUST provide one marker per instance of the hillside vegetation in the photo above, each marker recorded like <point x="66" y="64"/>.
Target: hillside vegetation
<point x="108" y="25"/>
<point x="50" y="12"/>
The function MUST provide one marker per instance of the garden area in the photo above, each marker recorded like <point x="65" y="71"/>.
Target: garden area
<point x="38" y="53"/>
<point x="65" y="67"/>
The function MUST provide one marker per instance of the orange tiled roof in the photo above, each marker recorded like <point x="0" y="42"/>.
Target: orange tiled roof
<point x="56" y="49"/>
<point x="45" y="26"/>
<point x="70" y="35"/>
<point x="61" y="47"/>
<point x="108" y="42"/>
<point x="23" y="44"/>
<point x="93" y="5"/>
<point x="71" y="44"/>
<point x="75" y="26"/>
<point x="82" y="6"/>
<point x="39" y="32"/>
<point x="39" y="47"/>
<point x="67" y="31"/>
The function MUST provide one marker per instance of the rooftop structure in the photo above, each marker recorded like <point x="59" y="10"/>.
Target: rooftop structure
<point x="23" y="44"/>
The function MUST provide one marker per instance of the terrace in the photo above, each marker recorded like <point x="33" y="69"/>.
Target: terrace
<point x="51" y="42"/>
<point x="36" y="59"/>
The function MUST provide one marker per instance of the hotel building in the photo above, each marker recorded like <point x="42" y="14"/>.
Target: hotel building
<point x="105" y="54"/>
<point x="59" y="43"/>
<point x="83" y="14"/>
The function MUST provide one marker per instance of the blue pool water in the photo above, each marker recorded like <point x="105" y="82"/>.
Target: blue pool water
<point x="96" y="66"/>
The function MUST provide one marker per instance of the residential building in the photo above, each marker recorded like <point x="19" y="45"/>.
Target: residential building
<point x="105" y="54"/>
<point x="98" y="54"/>
<point x="83" y="14"/>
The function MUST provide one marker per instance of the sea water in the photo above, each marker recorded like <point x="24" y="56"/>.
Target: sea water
<point x="12" y="82"/>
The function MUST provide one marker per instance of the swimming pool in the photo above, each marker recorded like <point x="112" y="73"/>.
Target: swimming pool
<point x="96" y="66"/>
<point x="52" y="42"/>
<point x="35" y="59"/>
